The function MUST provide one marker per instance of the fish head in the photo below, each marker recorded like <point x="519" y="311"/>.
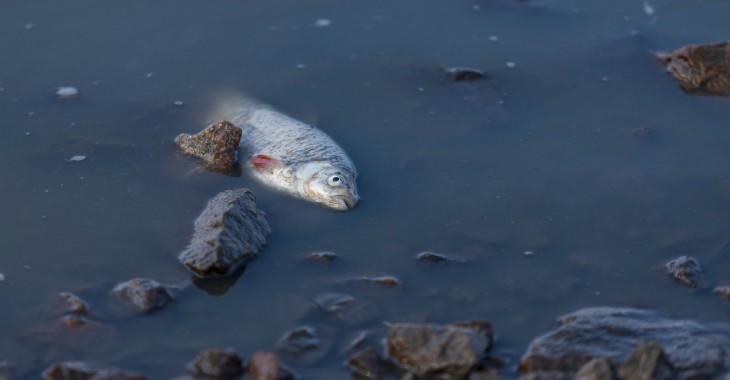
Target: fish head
<point x="328" y="185"/>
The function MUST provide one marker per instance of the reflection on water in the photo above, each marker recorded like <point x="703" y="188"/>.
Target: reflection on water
<point x="565" y="181"/>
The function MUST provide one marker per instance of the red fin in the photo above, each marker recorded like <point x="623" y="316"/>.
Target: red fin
<point x="264" y="162"/>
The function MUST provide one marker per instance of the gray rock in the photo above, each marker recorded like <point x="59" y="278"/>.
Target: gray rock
<point x="427" y="349"/>
<point x="685" y="269"/>
<point x="143" y="295"/>
<point x="305" y="343"/>
<point x="321" y="257"/>
<point x="217" y="363"/>
<point x="596" y="369"/>
<point x="463" y="73"/>
<point x="647" y="362"/>
<point x="690" y="346"/>
<point x="267" y="366"/>
<point x="215" y="145"/>
<point x="79" y="370"/>
<point x="229" y="232"/>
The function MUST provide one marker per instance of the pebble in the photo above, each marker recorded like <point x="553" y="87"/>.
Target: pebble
<point x="322" y="23"/>
<point x="67" y="92"/>
<point x="76" y="158"/>
<point x="510" y="65"/>
<point x="178" y="103"/>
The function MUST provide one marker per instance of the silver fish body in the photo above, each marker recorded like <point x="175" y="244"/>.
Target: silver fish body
<point x="290" y="155"/>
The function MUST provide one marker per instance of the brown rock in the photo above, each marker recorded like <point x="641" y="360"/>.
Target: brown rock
<point x="78" y="370"/>
<point x="597" y="369"/>
<point x="267" y="366"/>
<point x="216" y="363"/>
<point x="435" y="349"/>
<point x="215" y="145"/>
<point x="685" y="269"/>
<point x="141" y="294"/>
<point x="647" y="362"/>
<point x="367" y="363"/>
<point x="701" y="69"/>
<point x="73" y="304"/>
<point x="229" y="232"/>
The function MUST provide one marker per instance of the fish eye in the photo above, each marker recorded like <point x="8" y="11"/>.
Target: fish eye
<point x="334" y="180"/>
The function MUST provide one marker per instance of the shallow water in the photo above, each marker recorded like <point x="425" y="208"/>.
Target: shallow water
<point x="542" y="157"/>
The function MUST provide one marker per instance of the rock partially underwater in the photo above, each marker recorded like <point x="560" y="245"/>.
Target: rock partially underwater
<point x="229" y="232"/>
<point x="216" y="146"/>
<point x="701" y="69"/>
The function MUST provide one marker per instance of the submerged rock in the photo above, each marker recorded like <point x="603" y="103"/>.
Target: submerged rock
<point x="701" y="69"/>
<point x="215" y="145"/>
<point x="72" y="304"/>
<point x="321" y="257"/>
<point x="433" y="257"/>
<point x="267" y="366"/>
<point x="346" y="308"/>
<point x="229" y="232"/>
<point x="463" y="73"/>
<point x="143" y="295"/>
<point x="685" y="269"/>
<point x="647" y="361"/>
<point x="304" y="343"/>
<point x="79" y="370"/>
<point x="367" y="363"/>
<point x="426" y="349"/>
<point x="217" y="363"/>
<point x="691" y="347"/>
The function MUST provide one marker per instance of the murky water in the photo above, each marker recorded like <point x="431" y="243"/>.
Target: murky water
<point x="549" y="156"/>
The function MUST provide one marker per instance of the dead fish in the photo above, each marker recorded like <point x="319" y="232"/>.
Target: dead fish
<point x="290" y="155"/>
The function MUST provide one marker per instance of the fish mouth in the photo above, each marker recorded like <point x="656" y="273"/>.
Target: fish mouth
<point x="344" y="202"/>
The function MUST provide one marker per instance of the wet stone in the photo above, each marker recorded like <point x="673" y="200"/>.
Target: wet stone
<point x="346" y="308"/>
<point x="217" y="363"/>
<point x="229" y="232"/>
<point x="267" y="366"/>
<point x="79" y="370"/>
<point x="724" y="292"/>
<point x="321" y="257"/>
<point x="433" y="257"/>
<point x="142" y="295"/>
<point x="304" y="343"/>
<point x="463" y="73"/>
<point x="597" y="369"/>
<point x="613" y="333"/>
<point x="379" y="281"/>
<point x="73" y="304"/>
<point x="701" y="69"/>
<point x="215" y="145"/>
<point x="367" y="363"/>
<point x="435" y="349"/>
<point x="685" y="269"/>
<point x="647" y="361"/>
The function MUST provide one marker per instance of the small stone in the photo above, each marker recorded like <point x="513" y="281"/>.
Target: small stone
<point x="596" y="369"/>
<point x="216" y="146"/>
<point x="304" y="343"/>
<point x="143" y="295"/>
<point x="724" y="292"/>
<point x="433" y="257"/>
<point x="322" y="23"/>
<point x="385" y="281"/>
<point x="321" y="257"/>
<point x="701" y="69"/>
<point x="217" y="363"/>
<point x="267" y="366"/>
<point x="67" y="92"/>
<point x="510" y="65"/>
<point x="528" y="253"/>
<point x="464" y="73"/>
<point x="685" y="269"/>
<point x="73" y="304"/>
<point x="345" y="308"/>
<point x="435" y="349"/>
<point x="178" y="103"/>
<point x="229" y="232"/>
<point x="367" y="363"/>
<point x="76" y="158"/>
<point x="647" y="361"/>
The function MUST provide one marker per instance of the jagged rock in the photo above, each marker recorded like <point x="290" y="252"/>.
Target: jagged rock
<point x="346" y="308"/>
<point x="463" y="73"/>
<point x="216" y="363"/>
<point x="143" y="295"/>
<point x="724" y="292"/>
<point x="367" y="363"/>
<point x="701" y="69"/>
<point x="691" y="347"/>
<point x="79" y="370"/>
<point x="230" y="231"/>
<point x="436" y="349"/>
<point x="321" y="257"/>
<point x="305" y="343"/>
<point x="267" y="366"/>
<point x="215" y="145"/>
<point x="685" y="269"/>
<point x="647" y="362"/>
<point x="596" y="369"/>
